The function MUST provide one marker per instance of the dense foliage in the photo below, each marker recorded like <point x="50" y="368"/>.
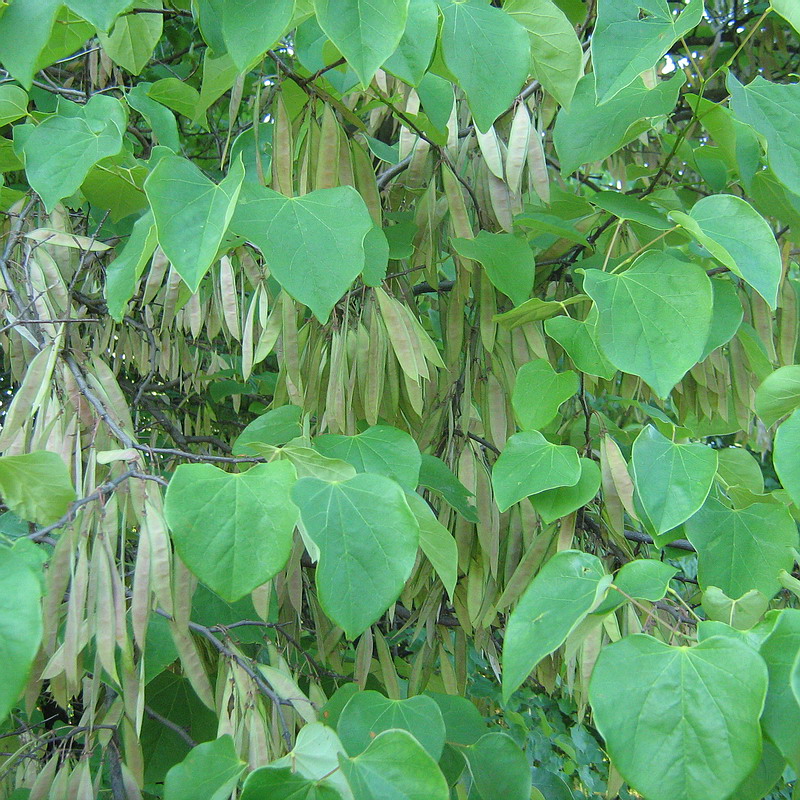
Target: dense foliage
<point x="400" y="399"/>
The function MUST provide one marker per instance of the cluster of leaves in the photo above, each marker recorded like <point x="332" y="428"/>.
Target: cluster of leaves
<point x="401" y="399"/>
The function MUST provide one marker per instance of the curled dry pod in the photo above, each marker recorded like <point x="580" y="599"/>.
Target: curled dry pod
<point x="403" y="343"/>
<point x="489" y="146"/>
<point x="229" y="298"/>
<point x="327" y="155"/>
<point x="518" y="141"/>
<point x="459" y="218"/>
<point x="282" y="151"/>
<point x="537" y="166"/>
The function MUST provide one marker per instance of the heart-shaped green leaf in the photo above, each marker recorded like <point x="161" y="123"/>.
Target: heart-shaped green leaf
<point x="654" y="317"/>
<point x="530" y="464"/>
<point x="539" y="392"/>
<point x="785" y="461"/>
<point x="701" y="704"/>
<point x="314" y="244"/>
<point x="211" y="770"/>
<point x="379" y="450"/>
<point x="369" y="713"/>
<point x="781" y="718"/>
<point x="367" y="538"/>
<point x="364" y="32"/>
<point x="742" y="549"/>
<point x="507" y="259"/>
<point x="191" y="213"/>
<point x="489" y="54"/>
<point x="566" y="589"/>
<point x="672" y="480"/>
<point x="36" y="486"/>
<point x="20" y="624"/>
<point x="739" y="237"/>
<point x="778" y="394"/>
<point x="283" y="783"/>
<point x="498" y="767"/>
<point x="394" y="767"/>
<point x="556" y="503"/>
<point x="62" y="149"/>
<point x="234" y="531"/>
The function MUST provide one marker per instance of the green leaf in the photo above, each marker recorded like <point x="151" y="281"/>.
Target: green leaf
<point x="376" y="257"/>
<point x="642" y="579"/>
<point x="553" y="504"/>
<point x="24" y="33"/>
<point x="778" y="394"/>
<point x="20" y="623"/>
<point x="311" y="464"/>
<point x="699" y="704"/>
<point x="742" y="613"/>
<point x="436" y="542"/>
<point x="116" y="184"/>
<point x="541" y="222"/>
<point x="773" y="110"/>
<point x="411" y="59"/>
<point x="126" y="269"/>
<point x="36" y="486"/>
<point x="539" y="393"/>
<point x="744" y="549"/>
<point x="158" y="117"/>
<point x="566" y="589"/>
<point x="177" y="95"/>
<point x="100" y="13"/>
<point x="13" y="104"/>
<point x="277" y="427"/>
<point x="740" y="238"/>
<point x="556" y="53"/>
<point x="462" y="721"/>
<point x="535" y="309"/>
<point x="394" y="767"/>
<point x="251" y="27"/>
<point x="282" y="783"/>
<point x="489" y="54"/>
<point x="763" y="778"/>
<point x="785" y="461"/>
<point x="789" y="11"/>
<point x="781" y="718"/>
<point x="314" y="244"/>
<point x="369" y="713"/>
<point x="316" y="756"/>
<point x="62" y="149"/>
<point x="507" y="259"/>
<point x="624" y="206"/>
<point x="654" y="318"/>
<point x="368" y="539"/>
<point x="726" y="315"/>
<point x="672" y="480"/>
<point x="67" y="36"/>
<point x="626" y="42"/>
<point x="380" y="450"/>
<point x="191" y="213"/>
<point x="365" y="33"/>
<point x="211" y="770"/>
<point x="588" y="131"/>
<point x="579" y="339"/>
<point x="134" y="37"/>
<point x="436" y="475"/>
<point x="736" y="467"/>
<point x="219" y="75"/>
<point x="173" y="698"/>
<point x="498" y="767"/>
<point x="530" y="464"/>
<point x="234" y="531"/>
